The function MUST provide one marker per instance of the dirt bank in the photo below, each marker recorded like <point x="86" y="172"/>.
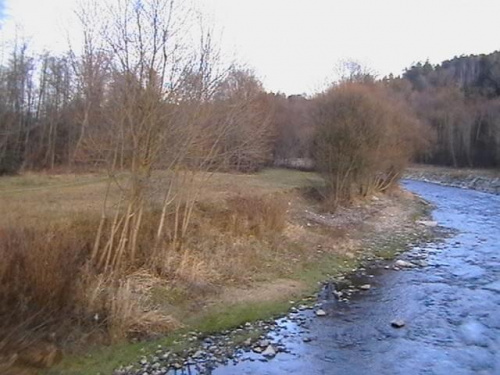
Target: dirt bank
<point x="487" y="181"/>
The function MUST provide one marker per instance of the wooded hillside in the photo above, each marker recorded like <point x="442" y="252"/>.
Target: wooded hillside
<point x="460" y="100"/>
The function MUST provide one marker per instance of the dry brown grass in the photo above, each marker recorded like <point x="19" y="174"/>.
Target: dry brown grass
<point x="50" y="291"/>
<point x="249" y="215"/>
<point x="38" y="279"/>
<point x="229" y="241"/>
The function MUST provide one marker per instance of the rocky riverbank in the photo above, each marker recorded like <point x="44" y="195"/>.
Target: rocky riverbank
<point x="485" y="181"/>
<point x="260" y="341"/>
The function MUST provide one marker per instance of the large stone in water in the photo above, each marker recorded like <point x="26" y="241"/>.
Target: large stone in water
<point x="398" y="323"/>
<point x="269" y="352"/>
<point x="403" y="264"/>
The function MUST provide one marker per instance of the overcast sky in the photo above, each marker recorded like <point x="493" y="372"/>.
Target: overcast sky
<point x="294" y="45"/>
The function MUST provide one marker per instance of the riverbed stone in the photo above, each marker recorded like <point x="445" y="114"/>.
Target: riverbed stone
<point x="269" y="352"/>
<point x="398" y="323"/>
<point x="264" y="343"/>
<point x="320" y="312"/>
<point x="199" y="354"/>
<point x="403" y="264"/>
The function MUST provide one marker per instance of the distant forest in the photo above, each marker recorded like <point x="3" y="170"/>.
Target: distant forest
<point x="460" y="100"/>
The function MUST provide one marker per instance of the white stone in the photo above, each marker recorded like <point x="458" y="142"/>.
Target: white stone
<point x="320" y="312"/>
<point x="403" y="264"/>
<point x="269" y="352"/>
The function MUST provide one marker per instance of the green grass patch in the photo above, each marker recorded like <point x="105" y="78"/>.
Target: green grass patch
<point x="104" y="359"/>
<point x="232" y="316"/>
<point x="329" y="266"/>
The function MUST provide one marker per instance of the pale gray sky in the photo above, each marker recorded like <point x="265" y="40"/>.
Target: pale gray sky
<point x="294" y="45"/>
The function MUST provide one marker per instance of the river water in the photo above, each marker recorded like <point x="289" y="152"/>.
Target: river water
<point x="451" y="307"/>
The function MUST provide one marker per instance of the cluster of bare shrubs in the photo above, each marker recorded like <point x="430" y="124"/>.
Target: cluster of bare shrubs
<point x="364" y="138"/>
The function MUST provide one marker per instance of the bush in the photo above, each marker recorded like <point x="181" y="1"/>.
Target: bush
<point x="364" y="139"/>
<point x="39" y="275"/>
<point x="48" y="286"/>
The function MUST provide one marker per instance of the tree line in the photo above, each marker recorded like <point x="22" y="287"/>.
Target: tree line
<point x="92" y="109"/>
<point x="60" y="110"/>
<point x="460" y="101"/>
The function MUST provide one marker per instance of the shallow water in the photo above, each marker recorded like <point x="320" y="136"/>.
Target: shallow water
<point x="451" y="307"/>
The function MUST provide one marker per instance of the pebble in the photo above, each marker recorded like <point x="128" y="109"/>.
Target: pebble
<point x="320" y="312"/>
<point x="264" y="343"/>
<point x="199" y="354"/>
<point x="365" y="287"/>
<point x="269" y="352"/>
<point x="403" y="264"/>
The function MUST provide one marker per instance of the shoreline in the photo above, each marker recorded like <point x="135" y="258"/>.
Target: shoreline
<point x="481" y="180"/>
<point x="245" y="322"/>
